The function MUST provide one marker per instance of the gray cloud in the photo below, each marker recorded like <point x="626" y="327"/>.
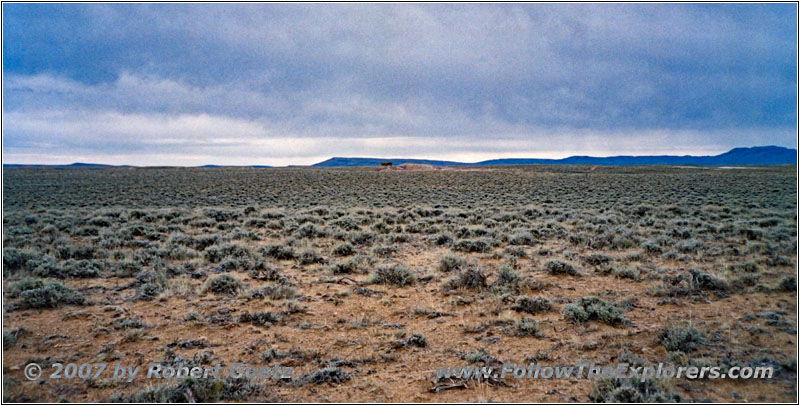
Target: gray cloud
<point x="279" y="84"/>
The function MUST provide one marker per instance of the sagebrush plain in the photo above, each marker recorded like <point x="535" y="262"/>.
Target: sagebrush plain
<point x="364" y="281"/>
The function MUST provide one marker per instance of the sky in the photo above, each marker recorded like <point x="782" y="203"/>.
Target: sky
<point x="281" y="84"/>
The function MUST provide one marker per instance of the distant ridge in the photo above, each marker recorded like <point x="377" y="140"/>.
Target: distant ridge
<point x="768" y="155"/>
<point x="73" y="165"/>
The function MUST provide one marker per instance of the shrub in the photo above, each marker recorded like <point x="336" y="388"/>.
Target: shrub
<point x="690" y="246"/>
<point x="631" y="390"/>
<point x="345" y="267"/>
<point x="442" y="239"/>
<point x="346" y="223"/>
<point x="9" y="339"/>
<point x="362" y="238"/>
<point x="195" y="390"/>
<point x="598" y="259"/>
<point x="218" y="253"/>
<point x="625" y="272"/>
<point x="472" y="277"/>
<point x="558" y="267"/>
<point x="278" y="251"/>
<point x="507" y="277"/>
<point x="264" y="272"/>
<point x="67" y="269"/>
<point x="344" y="249"/>
<point x="528" y="328"/>
<point x="481" y="245"/>
<point x="309" y="230"/>
<point x="127" y="268"/>
<point x="681" y="338"/>
<point x="260" y="318"/>
<point x="748" y="267"/>
<point x="310" y="257"/>
<point x="325" y="375"/>
<point x="416" y="340"/>
<point x="652" y="247"/>
<point x="224" y="284"/>
<point x="787" y="284"/>
<point x="522" y="238"/>
<point x="274" y="292"/>
<point x="594" y="308"/>
<point x="394" y="274"/>
<point x="35" y="293"/>
<point x="704" y="280"/>
<point x="532" y="305"/>
<point x="148" y="291"/>
<point x="14" y="259"/>
<point x="450" y="262"/>
<point x="25" y="284"/>
<point x="385" y="251"/>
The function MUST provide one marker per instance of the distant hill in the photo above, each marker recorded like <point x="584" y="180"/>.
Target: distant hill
<point x="338" y="162"/>
<point x="74" y="165"/>
<point x="769" y="155"/>
<point x="235" y="166"/>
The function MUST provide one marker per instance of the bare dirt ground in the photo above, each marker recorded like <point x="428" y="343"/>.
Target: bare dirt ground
<point x="695" y="267"/>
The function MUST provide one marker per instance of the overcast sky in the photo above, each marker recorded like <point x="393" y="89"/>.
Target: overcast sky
<point x="279" y="84"/>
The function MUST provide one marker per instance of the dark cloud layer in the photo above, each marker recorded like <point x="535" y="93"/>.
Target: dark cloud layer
<point x="283" y="83"/>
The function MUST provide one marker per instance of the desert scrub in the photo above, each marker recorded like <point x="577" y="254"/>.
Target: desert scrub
<point x="224" y="284"/>
<point x="279" y="251"/>
<point x="787" y="284"/>
<point x="70" y="268"/>
<point x="416" y="340"/>
<point x="343" y="249"/>
<point x="632" y="391"/>
<point x="690" y="246"/>
<point x="532" y="305"/>
<point x="385" y="250"/>
<point x="744" y="267"/>
<point x="471" y="277"/>
<point x="704" y="280"/>
<point x="361" y="238"/>
<point x="274" y="292"/>
<point x="14" y="259"/>
<point x="522" y="238"/>
<point x="450" y="262"/>
<point x="309" y="230"/>
<point x="392" y="274"/>
<point x="441" y="239"/>
<point x="308" y="257"/>
<point x="652" y="247"/>
<point x="508" y="278"/>
<point x="598" y="259"/>
<point x="195" y="390"/>
<point x="37" y="293"/>
<point x="559" y="267"/>
<point x="218" y="253"/>
<point x="625" y="272"/>
<point x="482" y="245"/>
<point x="528" y="327"/>
<point x="264" y="272"/>
<point x="593" y="308"/>
<point x="265" y="319"/>
<point x="329" y="376"/>
<point x="681" y="338"/>
<point x="349" y="266"/>
<point x="346" y="223"/>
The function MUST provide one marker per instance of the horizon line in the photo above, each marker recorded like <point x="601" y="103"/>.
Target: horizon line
<point x="80" y="163"/>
